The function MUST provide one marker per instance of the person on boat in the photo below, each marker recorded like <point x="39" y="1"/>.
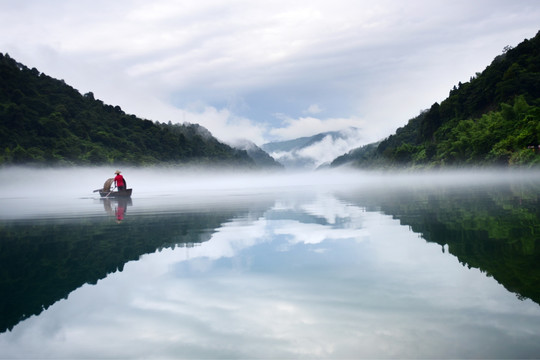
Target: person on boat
<point x="119" y="181"/>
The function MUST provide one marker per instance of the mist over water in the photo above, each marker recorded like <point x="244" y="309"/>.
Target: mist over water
<point x="27" y="192"/>
<point x="43" y="192"/>
<point x="79" y="182"/>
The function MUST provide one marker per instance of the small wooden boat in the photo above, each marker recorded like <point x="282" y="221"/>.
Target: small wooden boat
<point x="109" y="192"/>
<point x="116" y="194"/>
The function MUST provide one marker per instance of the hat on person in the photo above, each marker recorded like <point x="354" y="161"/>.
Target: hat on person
<point x="117" y="172"/>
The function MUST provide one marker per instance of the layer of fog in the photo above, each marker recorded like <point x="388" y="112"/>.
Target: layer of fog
<point x="25" y="190"/>
<point x="323" y="151"/>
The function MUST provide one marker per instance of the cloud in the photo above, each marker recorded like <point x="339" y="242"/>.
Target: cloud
<point x="313" y="109"/>
<point x="328" y="149"/>
<point x="381" y="62"/>
<point x="223" y="124"/>
<point x="321" y="151"/>
<point x="307" y="126"/>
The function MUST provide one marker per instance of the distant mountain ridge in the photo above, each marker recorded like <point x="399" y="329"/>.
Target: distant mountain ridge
<point x="259" y="156"/>
<point x="289" y="145"/>
<point x="312" y="151"/>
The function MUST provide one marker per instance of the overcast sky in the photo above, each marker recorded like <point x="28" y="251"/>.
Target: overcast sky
<point x="266" y="70"/>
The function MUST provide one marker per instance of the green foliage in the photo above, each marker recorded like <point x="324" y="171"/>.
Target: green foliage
<point x="492" y="120"/>
<point x="506" y="137"/>
<point x="45" y="121"/>
<point x="365" y="155"/>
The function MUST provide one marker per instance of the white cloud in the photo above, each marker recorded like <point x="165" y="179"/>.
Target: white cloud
<point x="328" y="149"/>
<point x="307" y="126"/>
<point x="313" y="109"/>
<point x="381" y="62"/>
<point x="322" y="151"/>
<point x="225" y="125"/>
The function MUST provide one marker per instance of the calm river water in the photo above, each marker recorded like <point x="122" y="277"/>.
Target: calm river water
<point x="322" y="265"/>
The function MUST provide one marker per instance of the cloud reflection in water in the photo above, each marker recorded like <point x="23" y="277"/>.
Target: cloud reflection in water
<point x="311" y="276"/>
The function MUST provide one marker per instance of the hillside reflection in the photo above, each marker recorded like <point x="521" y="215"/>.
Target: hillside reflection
<point x="43" y="260"/>
<point x="493" y="228"/>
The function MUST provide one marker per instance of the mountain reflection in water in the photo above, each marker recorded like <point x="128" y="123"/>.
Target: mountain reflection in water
<point x="493" y="228"/>
<point x="44" y="260"/>
<point x="319" y="272"/>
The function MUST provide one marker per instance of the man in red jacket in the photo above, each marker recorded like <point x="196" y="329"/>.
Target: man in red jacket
<point x="119" y="181"/>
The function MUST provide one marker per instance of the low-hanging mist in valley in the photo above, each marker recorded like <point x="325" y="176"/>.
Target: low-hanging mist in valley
<point x="21" y="182"/>
<point x="313" y="151"/>
<point x="25" y="190"/>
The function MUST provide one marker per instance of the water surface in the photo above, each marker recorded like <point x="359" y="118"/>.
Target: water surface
<point x="328" y="265"/>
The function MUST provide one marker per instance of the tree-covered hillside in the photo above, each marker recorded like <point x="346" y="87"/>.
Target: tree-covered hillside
<point x="45" y="121"/>
<point x="494" y="119"/>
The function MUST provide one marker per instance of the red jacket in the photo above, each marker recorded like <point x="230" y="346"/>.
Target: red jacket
<point x="119" y="180"/>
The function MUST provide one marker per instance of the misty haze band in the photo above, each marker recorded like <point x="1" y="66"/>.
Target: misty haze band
<point x="119" y="181"/>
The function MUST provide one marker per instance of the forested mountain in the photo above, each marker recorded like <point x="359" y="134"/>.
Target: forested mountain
<point x="259" y="156"/>
<point x="494" y="119"/>
<point x="45" y="121"/>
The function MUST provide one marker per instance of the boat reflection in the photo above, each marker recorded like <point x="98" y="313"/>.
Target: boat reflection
<point x="116" y="207"/>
